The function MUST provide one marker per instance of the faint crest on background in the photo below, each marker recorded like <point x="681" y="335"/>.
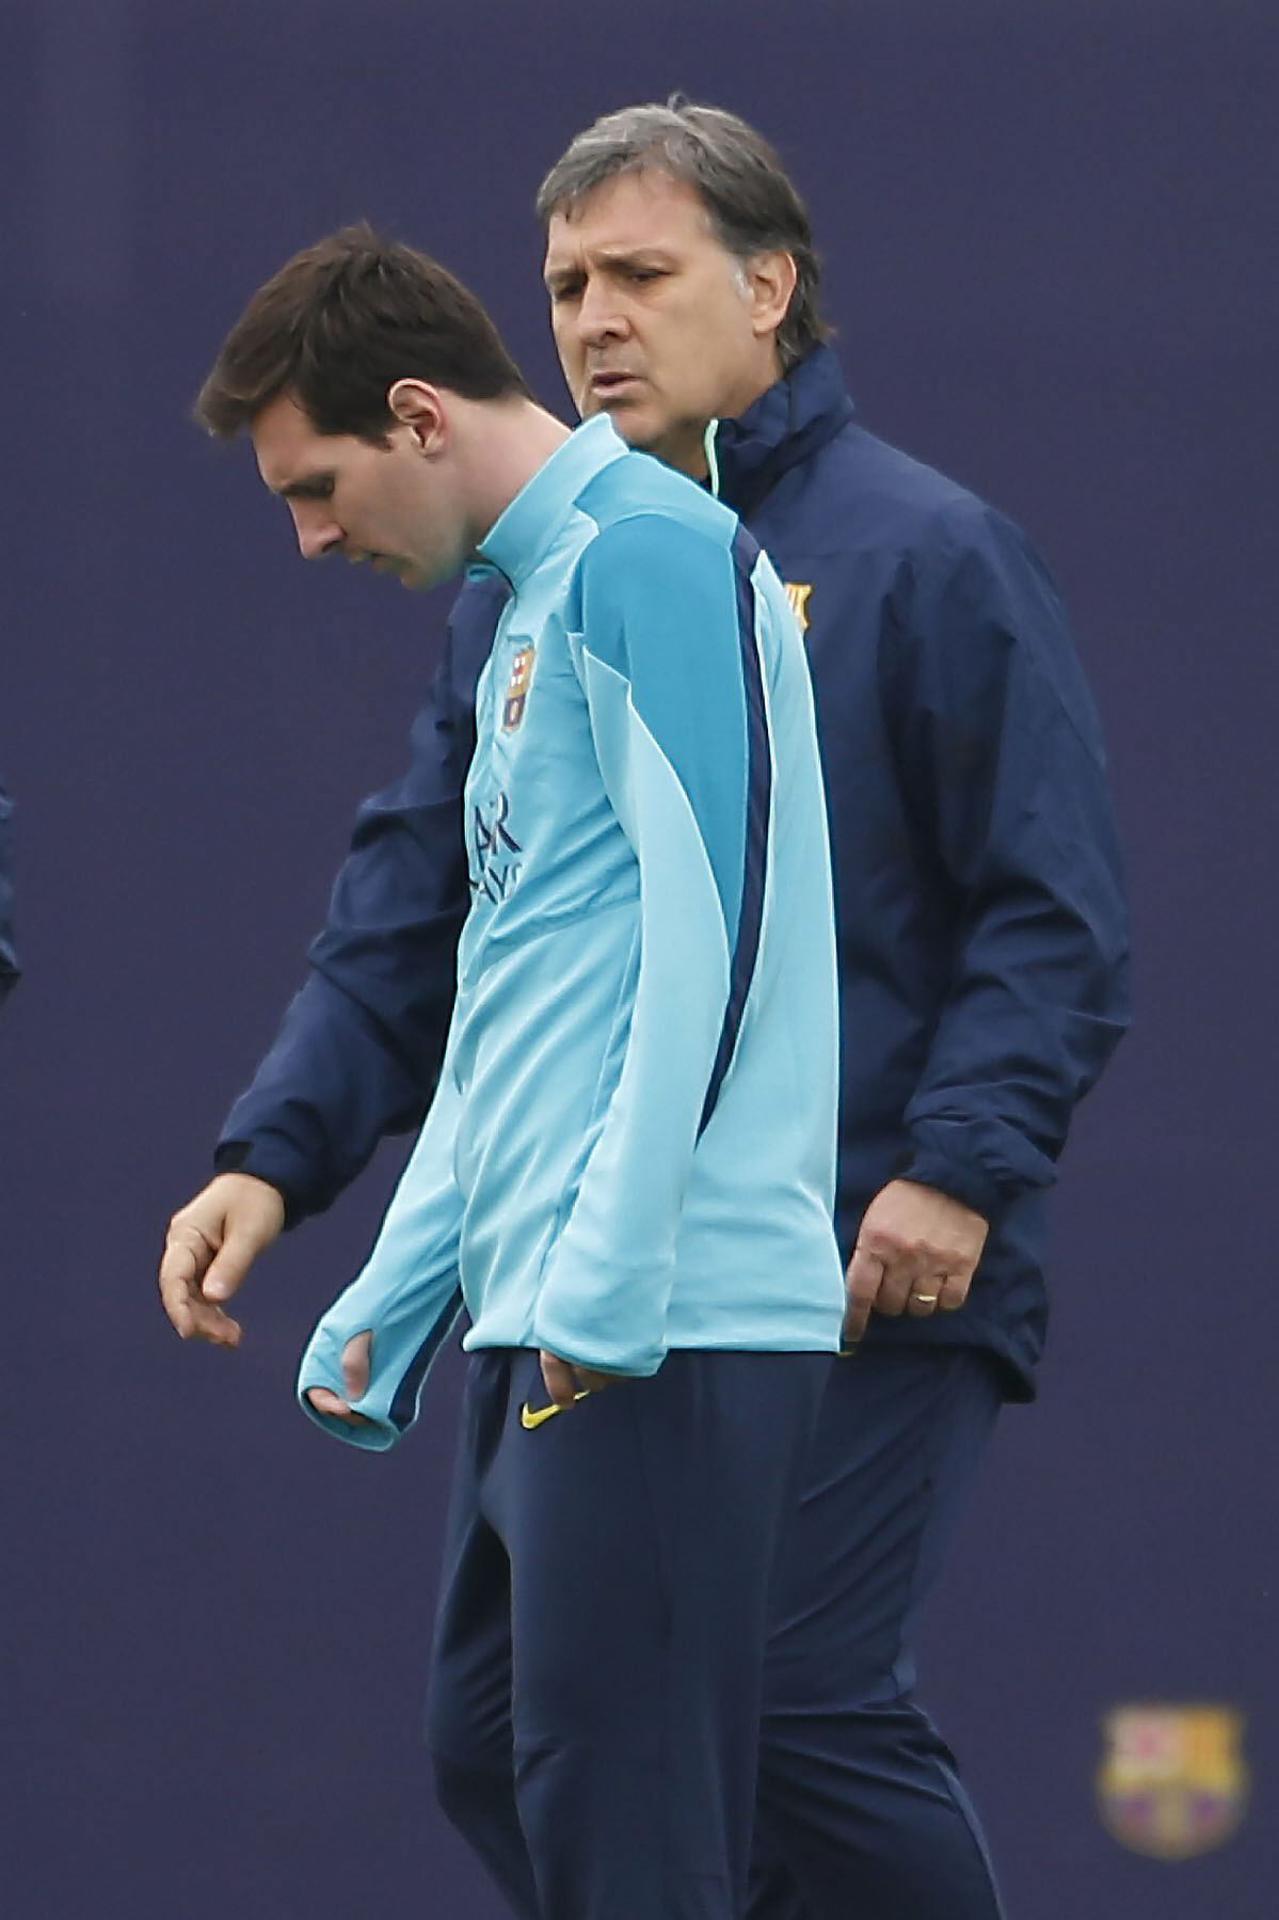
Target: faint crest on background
<point x="1173" y="1782"/>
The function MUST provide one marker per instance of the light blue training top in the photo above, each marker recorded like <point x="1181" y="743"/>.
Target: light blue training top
<point x="632" y="1144"/>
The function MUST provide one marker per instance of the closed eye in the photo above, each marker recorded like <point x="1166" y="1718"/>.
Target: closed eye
<point x="318" y="486"/>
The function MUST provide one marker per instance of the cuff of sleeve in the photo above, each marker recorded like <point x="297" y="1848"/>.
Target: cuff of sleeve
<point x="948" y="1155"/>
<point x="408" y="1325"/>
<point x="965" y="1184"/>
<point x="271" y="1162"/>
<point x="407" y="1335"/>
<point x="557" y="1334"/>
<point x="321" y="1366"/>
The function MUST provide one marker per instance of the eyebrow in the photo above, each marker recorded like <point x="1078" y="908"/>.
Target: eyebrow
<point x="316" y="486"/>
<point x="651" y="255"/>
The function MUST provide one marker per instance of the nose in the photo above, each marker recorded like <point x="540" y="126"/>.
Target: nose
<point x="317" y="534"/>
<point x="599" y="317"/>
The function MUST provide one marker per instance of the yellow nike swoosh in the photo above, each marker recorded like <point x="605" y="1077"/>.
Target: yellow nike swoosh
<point x="530" y="1418"/>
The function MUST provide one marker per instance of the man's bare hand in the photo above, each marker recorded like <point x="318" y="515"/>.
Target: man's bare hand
<point x="916" y="1254"/>
<point x="357" y="1361"/>
<point x="210" y="1246"/>
<point x="564" y="1381"/>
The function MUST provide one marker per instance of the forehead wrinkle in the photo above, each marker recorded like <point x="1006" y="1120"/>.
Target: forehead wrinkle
<point x="619" y="253"/>
<point x="575" y="250"/>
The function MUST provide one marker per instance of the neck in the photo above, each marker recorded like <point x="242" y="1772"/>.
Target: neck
<point x="684" y="448"/>
<point x="511" y="440"/>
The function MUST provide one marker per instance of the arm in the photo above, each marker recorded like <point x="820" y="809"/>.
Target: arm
<point x="8" y="958"/>
<point x="664" y="670"/>
<point x="360" y="1046"/>
<point x="1000" y="757"/>
<point x="397" y="1314"/>
<point x="1011" y="769"/>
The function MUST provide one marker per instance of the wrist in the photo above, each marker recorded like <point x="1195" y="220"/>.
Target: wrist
<point x="234" y="1156"/>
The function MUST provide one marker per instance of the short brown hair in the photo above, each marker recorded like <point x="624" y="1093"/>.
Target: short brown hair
<point x="753" y="205"/>
<point x="339" y="324"/>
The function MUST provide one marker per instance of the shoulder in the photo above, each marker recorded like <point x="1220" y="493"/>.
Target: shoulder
<point x="873" y="495"/>
<point x="639" y="499"/>
<point x="656" y="534"/>
<point x="662" y="571"/>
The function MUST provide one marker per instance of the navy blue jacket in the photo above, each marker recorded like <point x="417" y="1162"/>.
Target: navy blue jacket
<point x="8" y="959"/>
<point x="979" y="900"/>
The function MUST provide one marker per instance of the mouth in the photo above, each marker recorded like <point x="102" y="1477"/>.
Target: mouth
<point x="604" y="387"/>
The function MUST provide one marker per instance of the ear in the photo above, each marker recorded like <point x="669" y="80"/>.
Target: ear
<point x="771" y="279"/>
<point x="420" y="407"/>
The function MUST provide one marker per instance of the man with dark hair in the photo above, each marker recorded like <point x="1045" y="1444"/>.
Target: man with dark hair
<point x="339" y="324"/>
<point x="983" y="966"/>
<point x="8" y="958"/>
<point x="627" y="1171"/>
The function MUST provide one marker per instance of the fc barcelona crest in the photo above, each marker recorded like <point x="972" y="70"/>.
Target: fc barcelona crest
<point x="798" y="595"/>
<point x="1174" y="1782"/>
<point x="517" y="687"/>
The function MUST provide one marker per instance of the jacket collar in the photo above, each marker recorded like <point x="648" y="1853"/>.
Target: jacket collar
<point x="521" y="536"/>
<point x="787" y="424"/>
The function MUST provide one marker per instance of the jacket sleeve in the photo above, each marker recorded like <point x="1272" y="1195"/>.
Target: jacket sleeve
<point x="359" y="1049"/>
<point x="8" y="957"/>
<point x="408" y="1294"/>
<point x="1001" y="760"/>
<point x="667" y="671"/>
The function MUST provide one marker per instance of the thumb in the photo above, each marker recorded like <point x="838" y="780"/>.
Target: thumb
<point x="228" y="1270"/>
<point x="357" y="1358"/>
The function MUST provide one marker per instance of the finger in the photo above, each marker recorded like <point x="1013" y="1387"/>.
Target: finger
<point x="185" y="1257"/>
<point x="954" y="1292"/>
<point x="179" y="1314"/>
<point x="924" y="1296"/>
<point x="325" y="1402"/>
<point x="176" y="1280"/>
<point x="862" y="1283"/>
<point x="901" y="1272"/>
<point x="190" y="1316"/>
<point x="560" y="1381"/>
<point x="591" y="1380"/>
<point x="357" y="1357"/>
<point x="211" y="1324"/>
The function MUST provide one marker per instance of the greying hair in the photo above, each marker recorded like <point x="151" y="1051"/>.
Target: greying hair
<point x="752" y="205"/>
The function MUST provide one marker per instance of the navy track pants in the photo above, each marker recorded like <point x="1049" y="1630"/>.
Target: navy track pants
<point x="598" y="1663"/>
<point x="860" y="1812"/>
<point x="617" y="1773"/>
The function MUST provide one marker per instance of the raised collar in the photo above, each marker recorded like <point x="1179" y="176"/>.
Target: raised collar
<point x="522" y="534"/>
<point x="787" y="424"/>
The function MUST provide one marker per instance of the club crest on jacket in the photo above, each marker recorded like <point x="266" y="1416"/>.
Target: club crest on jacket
<point x="517" y="687"/>
<point x="797" y="593"/>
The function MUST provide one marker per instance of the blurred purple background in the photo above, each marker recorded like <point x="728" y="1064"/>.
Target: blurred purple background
<point x="1050" y="240"/>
